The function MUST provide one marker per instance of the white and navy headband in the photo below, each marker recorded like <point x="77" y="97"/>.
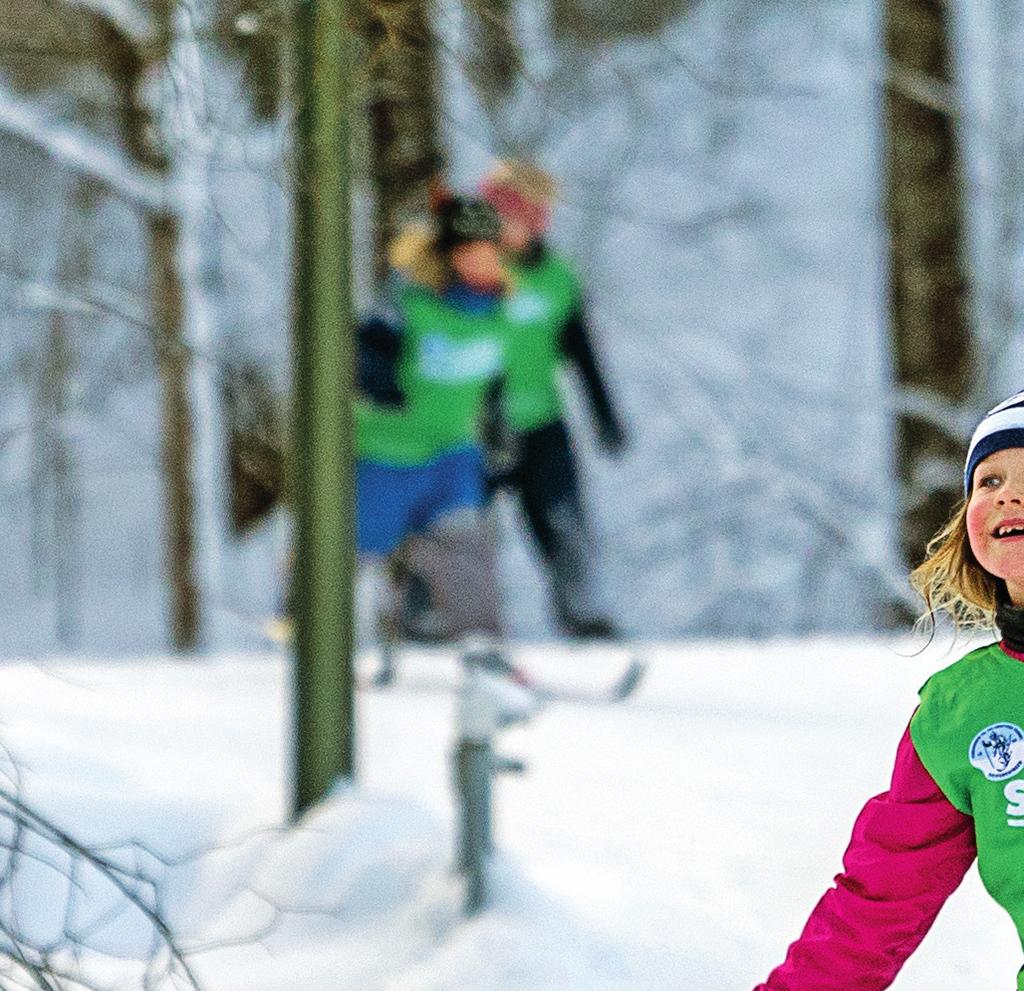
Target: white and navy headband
<point x="1002" y="427"/>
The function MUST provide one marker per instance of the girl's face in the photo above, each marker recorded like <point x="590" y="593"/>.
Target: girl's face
<point x="995" y="518"/>
<point x="516" y="235"/>
<point x="478" y="265"/>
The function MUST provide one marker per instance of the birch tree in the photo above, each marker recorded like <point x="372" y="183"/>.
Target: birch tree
<point x="147" y="145"/>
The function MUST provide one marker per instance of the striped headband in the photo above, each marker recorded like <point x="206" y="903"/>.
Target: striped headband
<point x="1002" y="427"/>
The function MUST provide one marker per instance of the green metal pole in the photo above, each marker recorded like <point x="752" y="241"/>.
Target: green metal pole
<point x="323" y="464"/>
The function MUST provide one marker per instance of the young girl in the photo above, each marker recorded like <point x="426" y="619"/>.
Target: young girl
<point x="551" y="333"/>
<point x="958" y="785"/>
<point x="427" y="358"/>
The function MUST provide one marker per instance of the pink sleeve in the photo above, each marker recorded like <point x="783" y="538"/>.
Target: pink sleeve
<point x="909" y="851"/>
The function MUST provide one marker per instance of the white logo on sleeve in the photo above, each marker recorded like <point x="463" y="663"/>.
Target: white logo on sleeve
<point x="998" y="751"/>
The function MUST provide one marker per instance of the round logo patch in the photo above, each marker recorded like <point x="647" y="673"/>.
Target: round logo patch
<point x="998" y="751"/>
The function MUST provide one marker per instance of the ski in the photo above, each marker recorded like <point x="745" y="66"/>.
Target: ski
<point x="622" y="688"/>
<point x="385" y="677"/>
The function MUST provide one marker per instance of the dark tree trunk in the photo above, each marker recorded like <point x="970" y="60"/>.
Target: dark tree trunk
<point x="253" y="32"/>
<point x="591" y="22"/>
<point x="405" y="152"/>
<point x="495" y="60"/>
<point x="66" y="529"/>
<point x="174" y="362"/>
<point x="931" y="333"/>
<point x="177" y="434"/>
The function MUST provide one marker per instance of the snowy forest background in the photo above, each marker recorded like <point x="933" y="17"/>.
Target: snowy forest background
<point x="800" y="229"/>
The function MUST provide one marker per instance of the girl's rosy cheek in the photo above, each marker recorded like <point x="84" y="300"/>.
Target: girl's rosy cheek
<point x="977" y="524"/>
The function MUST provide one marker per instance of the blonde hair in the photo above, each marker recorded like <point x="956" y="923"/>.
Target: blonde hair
<point x="414" y="255"/>
<point x="950" y="580"/>
<point x="528" y="180"/>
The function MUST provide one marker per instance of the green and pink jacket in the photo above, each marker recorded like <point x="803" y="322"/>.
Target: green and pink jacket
<point x="957" y="793"/>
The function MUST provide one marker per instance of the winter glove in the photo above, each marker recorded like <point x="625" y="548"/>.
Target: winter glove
<point x="380" y="346"/>
<point x="612" y="438"/>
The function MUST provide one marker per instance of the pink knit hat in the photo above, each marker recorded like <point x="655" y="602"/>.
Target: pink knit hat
<point x="521" y="191"/>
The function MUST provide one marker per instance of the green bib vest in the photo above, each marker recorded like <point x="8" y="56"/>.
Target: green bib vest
<point x="969" y="734"/>
<point x="448" y="359"/>
<point x="544" y="297"/>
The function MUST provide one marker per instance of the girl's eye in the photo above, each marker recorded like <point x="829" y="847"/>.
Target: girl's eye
<point x="988" y="481"/>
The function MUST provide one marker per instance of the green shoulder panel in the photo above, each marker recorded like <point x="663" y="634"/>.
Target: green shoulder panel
<point x="957" y="703"/>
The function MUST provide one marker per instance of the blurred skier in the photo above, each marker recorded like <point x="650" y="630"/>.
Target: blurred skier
<point x="531" y="452"/>
<point x="427" y="355"/>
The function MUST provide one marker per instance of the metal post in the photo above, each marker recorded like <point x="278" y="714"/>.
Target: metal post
<point x="323" y="348"/>
<point x="487" y="703"/>
<point x="474" y="762"/>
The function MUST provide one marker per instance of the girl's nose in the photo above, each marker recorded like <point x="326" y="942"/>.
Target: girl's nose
<point x="1012" y="494"/>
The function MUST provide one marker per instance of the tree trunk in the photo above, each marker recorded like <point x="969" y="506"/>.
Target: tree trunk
<point x="1005" y="364"/>
<point x="176" y="440"/>
<point x="932" y="339"/>
<point x="66" y="529"/>
<point x="405" y="151"/>
<point x="495" y="60"/>
<point x="67" y="526"/>
<point x="591" y="22"/>
<point x="189" y="411"/>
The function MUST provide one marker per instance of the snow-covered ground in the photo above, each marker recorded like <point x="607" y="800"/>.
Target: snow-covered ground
<point x="675" y="841"/>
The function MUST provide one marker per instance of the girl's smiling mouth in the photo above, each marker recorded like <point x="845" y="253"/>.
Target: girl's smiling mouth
<point x="1009" y="528"/>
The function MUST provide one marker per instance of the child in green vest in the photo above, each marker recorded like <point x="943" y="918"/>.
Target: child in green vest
<point x="957" y="790"/>
<point x="433" y="347"/>
<point x="536" y="460"/>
